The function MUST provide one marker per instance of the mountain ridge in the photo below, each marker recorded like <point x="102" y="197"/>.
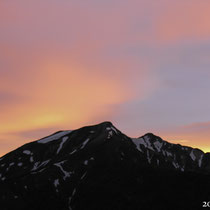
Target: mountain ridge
<point x="66" y="167"/>
<point x="105" y="123"/>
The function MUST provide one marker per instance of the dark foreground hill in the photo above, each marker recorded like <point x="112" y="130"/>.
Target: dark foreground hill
<point x="99" y="168"/>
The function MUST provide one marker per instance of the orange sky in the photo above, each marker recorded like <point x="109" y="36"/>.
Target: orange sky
<point x="144" y="65"/>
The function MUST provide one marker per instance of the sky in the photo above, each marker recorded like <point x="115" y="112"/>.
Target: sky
<point x="144" y="65"/>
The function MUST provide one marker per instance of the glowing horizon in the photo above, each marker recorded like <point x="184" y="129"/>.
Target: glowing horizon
<point x="142" y="65"/>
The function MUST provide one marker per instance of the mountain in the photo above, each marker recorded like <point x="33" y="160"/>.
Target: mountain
<point x="100" y="168"/>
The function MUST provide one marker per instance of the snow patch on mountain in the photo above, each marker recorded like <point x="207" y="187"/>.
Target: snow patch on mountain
<point x="66" y="173"/>
<point x="53" y="137"/>
<point x="176" y="165"/>
<point x="31" y="159"/>
<point x="83" y="176"/>
<point x="158" y="145"/>
<point x="84" y="143"/>
<point x="20" y="164"/>
<point x="56" y="182"/>
<point x="64" y="139"/>
<point x="138" y="142"/>
<point x="39" y="164"/>
<point x="110" y="134"/>
<point x="192" y="155"/>
<point x="86" y="162"/>
<point x="27" y="152"/>
<point x="200" y="160"/>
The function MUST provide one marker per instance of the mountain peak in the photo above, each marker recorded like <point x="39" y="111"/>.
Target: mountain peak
<point x="151" y="135"/>
<point x="105" y="124"/>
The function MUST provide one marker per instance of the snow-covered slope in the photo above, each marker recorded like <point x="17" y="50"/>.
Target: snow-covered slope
<point x="164" y="154"/>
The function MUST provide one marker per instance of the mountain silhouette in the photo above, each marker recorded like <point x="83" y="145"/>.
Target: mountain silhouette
<point x="99" y="168"/>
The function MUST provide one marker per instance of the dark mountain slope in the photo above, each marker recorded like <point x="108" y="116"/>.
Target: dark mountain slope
<point x="98" y="167"/>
